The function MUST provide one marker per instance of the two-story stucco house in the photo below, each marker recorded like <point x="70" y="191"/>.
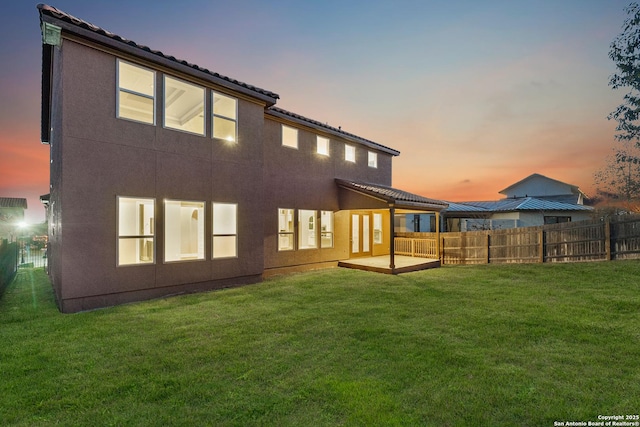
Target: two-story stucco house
<point x="167" y="177"/>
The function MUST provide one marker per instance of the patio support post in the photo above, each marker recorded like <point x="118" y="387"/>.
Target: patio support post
<point x="392" y="242"/>
<point x="437" y="234"/>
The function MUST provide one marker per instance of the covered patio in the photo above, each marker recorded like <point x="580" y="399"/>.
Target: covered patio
<point x="358" y="196"/>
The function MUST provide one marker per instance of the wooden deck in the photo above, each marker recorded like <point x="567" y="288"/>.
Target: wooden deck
<point x="380" y="264"/>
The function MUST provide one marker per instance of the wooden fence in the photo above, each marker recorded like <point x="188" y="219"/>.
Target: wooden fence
<point x="614" y="238"/>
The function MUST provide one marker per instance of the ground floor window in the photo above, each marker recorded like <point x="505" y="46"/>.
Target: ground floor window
<point x="184" y="230"/>
<point x="136" y="231"/>
<point x="377" y="228"/>
<point x="326" y="229"/>
<point x="556" y="219"/>
<point x="225" y="230"/>
<point x="307" y="234"/>
<point x="285" y="229"/>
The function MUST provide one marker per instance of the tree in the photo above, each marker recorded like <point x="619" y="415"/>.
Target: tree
<point x="620" y="178"/>
<point x="625" y="53"/>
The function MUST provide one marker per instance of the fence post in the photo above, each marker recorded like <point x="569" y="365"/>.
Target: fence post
<point x="542" y="236"/>
<point x="607" y="239"/>
<point x="488" y="247"/>
<point x="441" y="251"/>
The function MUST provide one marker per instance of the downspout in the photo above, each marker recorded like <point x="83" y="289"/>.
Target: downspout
<point x="392" y="242"/>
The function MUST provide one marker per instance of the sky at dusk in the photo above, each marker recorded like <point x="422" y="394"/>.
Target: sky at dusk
<point x="476" y="95"/>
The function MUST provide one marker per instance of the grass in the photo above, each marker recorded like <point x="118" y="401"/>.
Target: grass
<point x="484" y="345"/>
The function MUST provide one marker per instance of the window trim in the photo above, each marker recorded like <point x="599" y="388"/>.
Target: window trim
<point x="349" y="148"/>
<point x="152" y="236"/>
<point x="166" y="223"/>
<point x="314" y="215"/>
<point x="164" y="105"/>
<point x="372" y="155"/>
<point x="214" y="235"/>
<point x="231" y="119"/>
<point x="133" y="92"/>
<point x="330" y="233"/>
<point x="378" y="233"/>
<point x="327" y="141"/>
<point x="297" y="140"/>
<point x="291" y="233"/>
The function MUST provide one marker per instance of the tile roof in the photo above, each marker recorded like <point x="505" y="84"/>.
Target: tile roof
<point x="13" y="202"/>
<point x="50" y="11"/>
<point x="279" y="112"/>
<point x="393" y="195"/>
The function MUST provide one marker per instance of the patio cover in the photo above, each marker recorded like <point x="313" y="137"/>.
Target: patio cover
<point x="359" y="195"/>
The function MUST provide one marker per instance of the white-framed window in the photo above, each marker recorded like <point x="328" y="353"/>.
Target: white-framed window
<point x="326" y="229"/>
<point x="183" y="230"/>
<point x="289" y="137"/>
<point x="307" y="229"/>
<point x="286" y="227"/>
<point x="225" y="230"/>
<point x="136" y="93"/>
<point x="377" y="228"/>
<point x="372" y="159"/>
<point x="183" y="106"/>
<point x="350" y="153"/>
<point x="136" y="230"/>
<point x="225" y="117"/>
<point x="323" y="146"/>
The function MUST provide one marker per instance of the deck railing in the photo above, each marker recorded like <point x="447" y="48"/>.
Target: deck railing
<point x="417" y="247"/>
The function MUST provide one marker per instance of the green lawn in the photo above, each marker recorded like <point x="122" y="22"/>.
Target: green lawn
<point x="518" y="345"/>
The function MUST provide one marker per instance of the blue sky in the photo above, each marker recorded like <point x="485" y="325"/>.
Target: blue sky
<point x="476" y="95"/>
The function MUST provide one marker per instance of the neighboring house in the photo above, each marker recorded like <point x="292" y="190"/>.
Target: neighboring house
<point x="11" y="214"/>
<point x="542" y="187"/>
<point x="169" y="178"/>
<point x="535" y="200"/>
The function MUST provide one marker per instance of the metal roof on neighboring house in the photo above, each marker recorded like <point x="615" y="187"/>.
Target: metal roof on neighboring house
<point x="279" y="112"/>
<point x="50" y="11"/>
<point x="393" y="195"/>
<point x="516" y="204"/>
<point x="461" y="207"/>
<point x="13" y="202"/>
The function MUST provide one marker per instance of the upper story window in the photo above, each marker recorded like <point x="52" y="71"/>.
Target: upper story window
<point x="373" y="159"/>
<point x="183" y="106"/>
<point x="136" y="93"/>
<point x="225" y="117"/>
<point x="350" y="153"/>
<point x="136" y="231"/>
<point x="289" y="137"/>
<point x="323" y="146"/>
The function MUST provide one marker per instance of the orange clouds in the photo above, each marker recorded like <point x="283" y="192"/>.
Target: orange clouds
<point x="24" y="170"/>
<point x="24" y="161"/>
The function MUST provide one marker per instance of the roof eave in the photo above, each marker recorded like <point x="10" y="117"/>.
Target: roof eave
<point x="330" y="130"/>
<point x="157" y="58"/>
<point x="392" y="201"/>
